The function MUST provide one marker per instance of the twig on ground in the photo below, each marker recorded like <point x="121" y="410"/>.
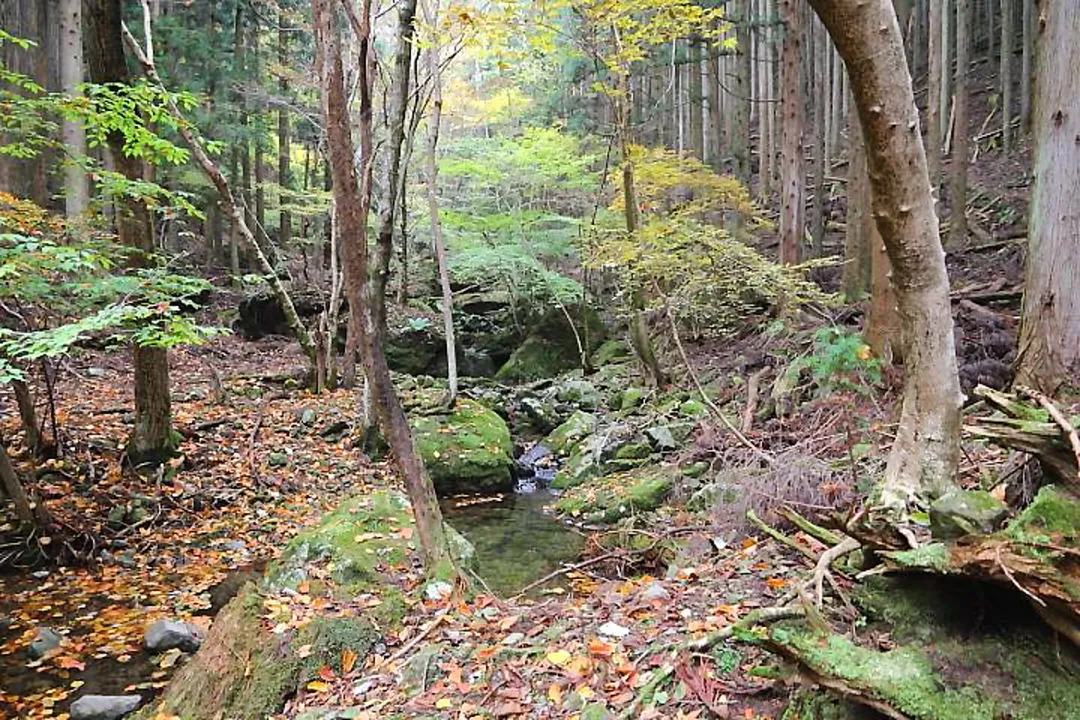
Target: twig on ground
<point x="664" y="672"/>
<point x="1057" y="416"/>
<point x="847" y="545"/>
<point x="816" y="531"/>
<point x="1008" y="573"/>
<point x="778" y="536"/>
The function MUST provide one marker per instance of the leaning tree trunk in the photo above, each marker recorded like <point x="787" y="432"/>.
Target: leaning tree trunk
<point x="29" y="513"/>
<point x="923" y="459"/>
<point x="28" y="415"/>
<point x="793" y="109"/>
<point x="352" y="230"/>
<point x="1049" y="353"/>
<point x="152" y="438"/>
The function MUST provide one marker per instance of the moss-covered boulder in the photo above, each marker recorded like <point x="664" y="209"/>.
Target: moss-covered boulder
<point x="562" y="439"/>
<point x="611" y="497"/>
<point x="551" y="346"/>
<point x="610" y="351"/>
<point x="467" y="451"/>
<point x="965" y="512"/>
<point x="263" y="646"/>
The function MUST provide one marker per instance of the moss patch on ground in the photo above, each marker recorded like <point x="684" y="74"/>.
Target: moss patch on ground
<point x="615" y="496"/>
<point x="1053" y="513"/>
<point x="468" y="451"/>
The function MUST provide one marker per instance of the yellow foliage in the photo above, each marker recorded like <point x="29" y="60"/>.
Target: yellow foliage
<point x="25" y="217"/>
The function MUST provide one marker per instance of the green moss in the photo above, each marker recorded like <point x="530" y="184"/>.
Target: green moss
<point x="562" y="439"/>
<point x="468" y="451"/>
<point x="535" y="359"/>
<point x="634" y="451"/>
<point x="903" y="677"/>
<point x="611" y="497"/>
<point x="631" y="397"/>
<point x="612" y="351"/>
<point x="329" y="637"/>
<point x="934" y="556"/>
<point x="1052" y="512"/>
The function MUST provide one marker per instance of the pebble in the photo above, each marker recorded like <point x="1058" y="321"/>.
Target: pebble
<point x="614" y="630"/>
<point x="655" y="591"/>
<point x="513" y="639"/>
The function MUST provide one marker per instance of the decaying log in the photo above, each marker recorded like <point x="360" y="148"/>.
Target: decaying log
<point x="1032" y="430"/>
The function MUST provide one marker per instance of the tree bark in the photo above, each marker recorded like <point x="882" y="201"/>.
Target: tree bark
<point x="284" y="216"/>
<point x="351" y="221"/>
<point x="1049" y="346"/>
<point x="740" y="134"/>
<point x="821" y="98"/>
<point x="933" y="95"/>
<point x="1025" y="65"/>
<point x="13" y="488"/>
<point x="1005" y="73"/>
<point x="945" y="95"/>
<point x="697" y="137"/>
<point x="923" y="459"/>
<point x="856" y="277"/>
<point x="432" y="172"/>
<point x="152" y="438"/>
<point x="792" y="174"/>
<point x="28" y="415"/>
<point x="959" y="166"/>
<point x="379" y="268"/>
<point x="76" y="182"/>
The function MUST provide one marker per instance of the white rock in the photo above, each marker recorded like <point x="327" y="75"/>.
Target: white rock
<point x="438" y="590"/>
<point x="655" y="591"/>
<point x="104" y="707"/>
<point x="168" y="634"/>
<point x="614" y="630"/>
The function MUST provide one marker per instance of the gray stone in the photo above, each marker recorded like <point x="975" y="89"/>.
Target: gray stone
<point x="655" y="592"/>
<point x="95" y="372"/>
<point x="581" y="393"/>
<point x="965" y="512"/>
<point x="661" y="438"/>
<point x="104" y="707"/>
<point x="307" y="416"/>
<point x="168" y="634"/>
<point x="278" y="459"/>
<point x="513" y="639"/>
<point x="46" y="640"/>
<point x="563" y="438"/>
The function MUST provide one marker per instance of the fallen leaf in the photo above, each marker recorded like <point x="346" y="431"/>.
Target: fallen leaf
<point x="348" y="660"/>
<point x="558" y="657"/>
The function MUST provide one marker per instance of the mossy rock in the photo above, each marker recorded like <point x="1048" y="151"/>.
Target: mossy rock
<point x="466" y="452"/>
<point x="579" y="393"/>
<point x="610" y="351"/>
<point x="551" y="347"/>
<point x="611" y="497"/>
<point x="631" y="397"/>
<point x="965" y="512"/>
<point x="564" y="438"/>
<point x="585" y="462"/>
<point x="1053" y="513"/>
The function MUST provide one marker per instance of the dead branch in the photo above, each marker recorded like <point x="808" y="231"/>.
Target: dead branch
<point x="1056" y="415"/>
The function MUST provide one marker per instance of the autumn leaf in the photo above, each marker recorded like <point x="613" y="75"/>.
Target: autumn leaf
<point x="558" y="657"/>
<point x="66" y="662"/>
<point x="600" y="648"/>
<point x="327" y="673"/>
<point x="555" y="694"/>
<point x="318" y="686"/>
<point x="348" y="660"/>
<point x="444" y="703"/>
<point x="776" y="583"/>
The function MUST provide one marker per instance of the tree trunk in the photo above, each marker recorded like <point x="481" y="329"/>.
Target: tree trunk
<point x="740" y="134"/>
<point x="400" y="81"/>
<point x="821" y="98"/>
<point x="959" y="167"/>
<point x="13" y="488"/>
<point x="28" y="415"/>
<point x="1025" y="66"/>
<point x="923" y="459"/>
<point x="76" y="182"/>
<point x="856" y="278"/>
<point x="152" y="438"/>
<point x="1007" y="32"/>
<point x="284" y="216"/>
<point x="697" y="138"/>
<point x="716" y="110"/>
<point x="792" y="175"/>
<point x="1049" y="347"/>
<point x="945" y="96"/>
<point x="432" y="171"/>
<point x="347" y="194"/>
<point x="770" y="98"/>
<point x="933" y="95"/>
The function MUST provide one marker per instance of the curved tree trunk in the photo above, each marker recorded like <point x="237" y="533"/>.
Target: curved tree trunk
<point x="923" y="459"/>
<point x="1049" y="352"/>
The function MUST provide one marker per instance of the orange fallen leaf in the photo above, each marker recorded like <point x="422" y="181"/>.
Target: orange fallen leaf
<point x="600" y="648"/>
<point x="348" y="660"/>
<point x="318" y="686"/>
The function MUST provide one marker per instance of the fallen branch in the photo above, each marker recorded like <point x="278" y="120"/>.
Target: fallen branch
<point x="847" y="545"/>
<point x="816" y="531"/>
<point x="1055" y="415"/>
<point x="778" y="536"/>
<point x="664" y="672"/>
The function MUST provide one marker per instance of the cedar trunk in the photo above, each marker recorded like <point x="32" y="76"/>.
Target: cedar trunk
<point x="923" y="459"/>
<point x="959" y="167"/>
<point x="1049" y="352"/>
<point x="793" y="109"/>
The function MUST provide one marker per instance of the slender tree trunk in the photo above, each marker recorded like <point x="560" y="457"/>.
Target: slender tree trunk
<point x="697" y="138"/>
<point x="284" y="216"/>
<point x="945" y="96"/>
<point x="740" y="135"/>
<point x="152" y="439"/>
<point x="933" y="95"/>
<point x="821" y="97"/>
<point x="432" y="171"/>
<point x="1007" y="32"/>
<point x="76" y="183"/>
<point x="716" y="108"/>
<point x="1049" y="347"/>
<point x="1025" y="66"/>
<point x="347" y="194"/>
<point x="379" y="267"/>
<point x="924" y="456"/>
<point x="857" y="237"/>
<point x="958" y="186"/>
<point x="770" y="97"/>
<point x="28" y="415"/>
<point x="793" y="176"/>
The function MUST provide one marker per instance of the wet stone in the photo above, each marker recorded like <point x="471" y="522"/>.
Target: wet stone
<point x="104" y="707"/>
<point x="168" y="634"/>
<point x="47" y="640"/>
